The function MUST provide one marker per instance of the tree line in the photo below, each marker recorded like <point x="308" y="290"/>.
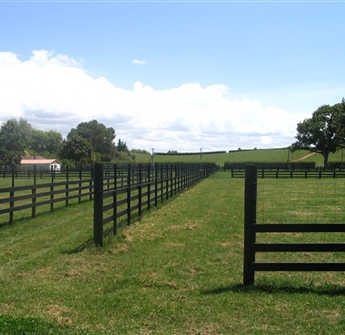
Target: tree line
<point x="88" y="143"/>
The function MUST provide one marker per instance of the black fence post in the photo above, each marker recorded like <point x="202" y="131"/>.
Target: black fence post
<point x="175" y="177"/>
<point x="156" y="185"/>
<point x="115" y="200"/>
<point x="67" y="185"/>
<point x="52" y="189"/>
<point x="129" y="194"/>
<point x="250" y="195"/>
<point x="80" y="182"/>
<point x="98" y="205"/>
<point x="161" y="177"/>
<point x="12" y="194"/>
<point x="167" y="181"/>
<point x="149" y="186"/>
<point x="33" y="193"/>
<point x="140" y="190"/>
<point x="91" y="183"/>
<point x="171" y="180"/>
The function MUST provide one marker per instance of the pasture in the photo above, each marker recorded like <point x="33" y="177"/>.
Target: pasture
<point x="176" y="271"/>
<point x="259" y="155"/>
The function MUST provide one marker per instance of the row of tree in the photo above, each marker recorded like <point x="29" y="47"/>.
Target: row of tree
<point x="89" y="142"/>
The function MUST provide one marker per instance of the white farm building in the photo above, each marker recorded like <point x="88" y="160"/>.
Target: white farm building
<point x="41" y="164"/>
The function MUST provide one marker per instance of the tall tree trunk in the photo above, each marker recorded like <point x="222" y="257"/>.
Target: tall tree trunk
<point x="325" y="159"/>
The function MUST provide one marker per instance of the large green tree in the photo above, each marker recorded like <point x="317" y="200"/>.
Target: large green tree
<point x="45" y="142"/>
<point x="15" y="137"/>
<point x="121" y="146"/>
<point x="324" y="132"/>
<point x="99" y="138"/>
<point x="76" y="149"/>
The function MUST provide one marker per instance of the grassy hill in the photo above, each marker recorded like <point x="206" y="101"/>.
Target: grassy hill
<point x="259" y="155"/>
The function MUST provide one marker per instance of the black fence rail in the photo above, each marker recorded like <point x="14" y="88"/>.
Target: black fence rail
<point x="271" y="165"/>
<point x="20" y="191"/>
<point x="122" y="192"/>
<point x="295" y="173"/>
<point x="16" y="175"/>
<point x="252" y="228"/>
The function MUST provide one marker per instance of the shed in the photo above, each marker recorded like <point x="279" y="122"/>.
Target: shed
<point x="41" y="164"/>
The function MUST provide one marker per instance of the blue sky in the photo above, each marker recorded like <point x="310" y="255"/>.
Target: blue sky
<point x="173" y="75"/>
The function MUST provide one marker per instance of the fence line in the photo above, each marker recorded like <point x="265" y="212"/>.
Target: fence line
<point x="116" y="201"/>
<point x="47" y="189"/>
<point x="14" y="173"/>
<point x="289" y="173"/>
<point x="251" y="247"/>
<point x="20" y="191"/>
<point x="273" y="165"/>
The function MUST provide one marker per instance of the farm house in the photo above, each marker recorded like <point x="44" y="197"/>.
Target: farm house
<point x="42" y="164"/>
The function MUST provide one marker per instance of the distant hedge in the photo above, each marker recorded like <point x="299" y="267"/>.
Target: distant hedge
<point x="336" y="165"/>
<point x="188" y="153"/>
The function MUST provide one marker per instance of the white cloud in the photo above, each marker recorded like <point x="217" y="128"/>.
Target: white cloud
<point x="55" y="92"/>
<point x="138" y="61"/>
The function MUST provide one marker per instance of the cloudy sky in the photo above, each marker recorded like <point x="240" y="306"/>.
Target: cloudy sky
<point x="172" y="75"/>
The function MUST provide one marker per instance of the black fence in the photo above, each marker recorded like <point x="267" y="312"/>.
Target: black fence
<point x="252" y="228"/>
<point x="20" y="191"/>
<point x="271" y="165"/>
<point x="16" y="174"/>
<point x="292" y="173"/>
<point x="123" y="193"/>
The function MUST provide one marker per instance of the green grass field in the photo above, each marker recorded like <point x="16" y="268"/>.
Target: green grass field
<point x="177" y="271"/>
<point x="259" y="155"/>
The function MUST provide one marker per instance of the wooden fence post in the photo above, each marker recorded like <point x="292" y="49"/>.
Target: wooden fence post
<point x="33" y="193"/>
<point x="129" y="194"/>
<point x="149" y="186"/>
<point x="12" y="194"/>
<point x="52" y="190"/>
<point x="98" y="205"/>
<point x="156" y="185"/>
<point x="250" y="194"/>
<point x="161" y="177"/>
<point x="171" y="176"/>
<point x="115" y="200"/>
<point x="67" y="185"/>
<point x="80" y="183"/>
<point x="140" y="189"/>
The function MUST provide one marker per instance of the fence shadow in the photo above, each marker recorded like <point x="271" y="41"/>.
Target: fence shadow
<point x="80" y="247"/>
<point x="4" y="224"/>
<point x="328" y="290"/>
<point x="89" y="243"/>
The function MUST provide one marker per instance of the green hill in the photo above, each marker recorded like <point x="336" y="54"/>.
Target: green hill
<point x="258" y="155"/>
<point x="276" y="155"/>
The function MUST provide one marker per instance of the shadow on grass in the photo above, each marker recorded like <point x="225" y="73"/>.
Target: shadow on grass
<point x="89" y="243"/>
<point x="329" y="290"/>
<point x="4" y="224"/>
<point x="106" y="234"/>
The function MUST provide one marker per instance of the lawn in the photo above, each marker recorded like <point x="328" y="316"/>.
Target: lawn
<point x="176" y="271"/>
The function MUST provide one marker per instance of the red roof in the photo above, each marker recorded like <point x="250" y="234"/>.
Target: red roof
<point x="39" y="161"/>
